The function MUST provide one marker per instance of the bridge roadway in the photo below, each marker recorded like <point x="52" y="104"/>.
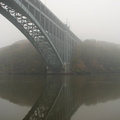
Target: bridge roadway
<point x="52" y="38"/>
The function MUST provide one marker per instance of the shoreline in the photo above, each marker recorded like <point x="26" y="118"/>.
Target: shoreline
<point x="70" y="73"/>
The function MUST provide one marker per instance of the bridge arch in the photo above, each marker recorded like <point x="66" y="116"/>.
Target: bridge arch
<point x="17" y="14"/>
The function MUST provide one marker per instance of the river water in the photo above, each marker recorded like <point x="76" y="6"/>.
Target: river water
<point x="98" y="95"/>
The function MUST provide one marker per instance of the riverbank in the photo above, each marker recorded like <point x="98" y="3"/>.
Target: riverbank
<point x="89" y="57"/>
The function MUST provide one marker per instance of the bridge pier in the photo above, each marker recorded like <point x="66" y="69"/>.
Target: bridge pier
<point x="65" y="70"/>
<point x="53" y="71"/>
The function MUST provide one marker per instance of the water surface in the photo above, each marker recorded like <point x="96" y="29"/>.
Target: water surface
<point x="18" y="93"/>
<point x="97" y="96"/>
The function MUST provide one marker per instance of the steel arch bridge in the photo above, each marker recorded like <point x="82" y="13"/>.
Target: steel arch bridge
<point x="52" y="38"/>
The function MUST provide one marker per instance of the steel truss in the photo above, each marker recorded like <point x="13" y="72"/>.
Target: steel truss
<point x="33" y="33"/>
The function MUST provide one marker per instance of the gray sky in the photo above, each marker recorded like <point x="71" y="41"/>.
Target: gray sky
<point x="89" y="19"/>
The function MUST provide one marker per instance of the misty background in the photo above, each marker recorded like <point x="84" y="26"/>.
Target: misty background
<point x="88" y="19"/>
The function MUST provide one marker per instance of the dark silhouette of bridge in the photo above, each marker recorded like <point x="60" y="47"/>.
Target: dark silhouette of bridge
<point x="55" y="41"/>
<point x="52" y="38"/>
<point x="56" y="101"/>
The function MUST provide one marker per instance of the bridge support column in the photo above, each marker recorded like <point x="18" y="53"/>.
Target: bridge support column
<point x="54" y="70"/>
<point x="66" y="70"/>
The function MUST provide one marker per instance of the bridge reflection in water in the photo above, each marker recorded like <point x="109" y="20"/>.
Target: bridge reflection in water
<point x="62" y="98"/>
<point x="54" y="103"/>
